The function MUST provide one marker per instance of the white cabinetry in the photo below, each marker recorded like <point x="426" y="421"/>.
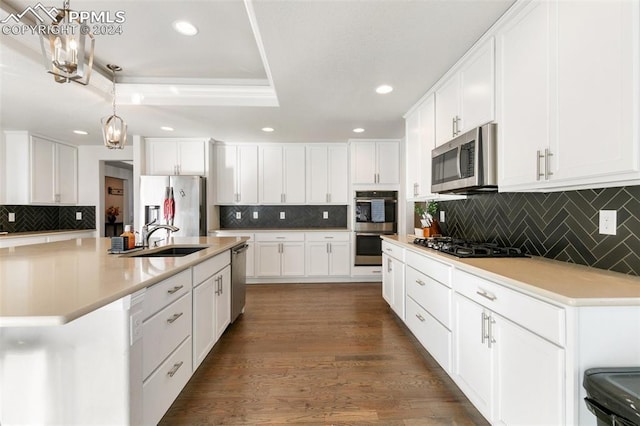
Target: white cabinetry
<point x="166" y="347"/>
<point x="327" y="174"/>
<point x="250" y="250"/>
<point x="327" y="254"/>
<point x="40" y="170"/>
<point x="420" y="141"/>
<point x="466" y="99"/>
<point x="568" y="109"/>
<point x="176" y="156"/>
<point x="504" y="339"/>
<point x="236" y="174"/>
<point x="282" y="174"/>
<point x="375" y="162"/>
<point x="393" y="284"/>
<point x="279" y="254"/>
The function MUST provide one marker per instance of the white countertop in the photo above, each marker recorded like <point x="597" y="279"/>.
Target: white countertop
<point x="54" y="283"/>
<point x="567" y="283"/>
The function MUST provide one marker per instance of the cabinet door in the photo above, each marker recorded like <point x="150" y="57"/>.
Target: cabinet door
<point x="523" y="92"/>
<point x="597" y="50"/>
<point x="250" y="260"/>
<point x="204" y="318"/>
<point x="524" y="358"/>
<point x="247" y="174"/>
<point x="427" y="143"/>
<point x="317" y="170"/>
<point x="338" y="174"/>
<point x="447" y="100"/>
<point x="477" y="88"/>
<point x="192" y="157"/>
<point x="339" y="259"/>
<point x="294" y="174"/>
<point x="364" y="162"/>
<point x="413" y="157"/>
<point x="398" y="288"/>
<point x="267" y="259"/>
<point x="226" y="174"/>
<point x="473" y="364"/>
<point x="387" y="279"/>
<point x="293" y="259"/>
<point x="271" y="174"/>
<point x="388" y="162"/>
<point x="162" y="157"/>
<point x="317" y="259"/>
<point x="42" y="171"/>
<point x="223" y="301"/>
<point x="67" y="174"/>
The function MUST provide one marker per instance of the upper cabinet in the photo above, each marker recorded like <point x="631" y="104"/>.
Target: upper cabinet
<point x="41" y="171"/>
<point x="375" y="162"/>
<point x="176" y="156"/>
<point x="420" y="141"/>
<point x="236" y="174"/>
<point x="567" y="96"/>
<point x="467" y="98"/>
<point x="282" y="174"/>
<point x="327" y="172"/>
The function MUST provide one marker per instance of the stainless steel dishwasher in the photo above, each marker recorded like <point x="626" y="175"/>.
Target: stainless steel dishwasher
<point x="238" y="279"/>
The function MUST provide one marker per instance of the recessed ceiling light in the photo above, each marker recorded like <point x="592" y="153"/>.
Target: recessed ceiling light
<point x="267" y="129"/>
<point x="358" y="130"/>
<point x="80" y="132"/>
<point x="185" y="28"/>
<point x="167" y="128"/>
<point x="384" y="89"/>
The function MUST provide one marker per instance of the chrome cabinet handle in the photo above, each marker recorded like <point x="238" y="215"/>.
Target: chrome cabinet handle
<point x="174" y="289"/>
<point x="453" y="126"/>
<point x="547" y="163"/>
<point x="175" y="369"/>
<point x="420" y="317"/>
<point x="420" y="282"/>
<point x="490" y="339"/>
<point x="174" y="318"/>
<point x="486" y="295"/>
<point x="483" y="331"/>
<point x="539" y="156"/>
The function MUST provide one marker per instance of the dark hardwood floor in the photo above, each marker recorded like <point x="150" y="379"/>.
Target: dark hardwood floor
<point x="319" y="354"/>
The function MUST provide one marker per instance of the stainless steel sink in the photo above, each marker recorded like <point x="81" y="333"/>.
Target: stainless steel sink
<point x="173" y="251"/>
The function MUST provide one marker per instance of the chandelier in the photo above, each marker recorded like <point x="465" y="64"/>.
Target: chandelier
<point x="114" y="128"/>
<point x="67" y="48"/>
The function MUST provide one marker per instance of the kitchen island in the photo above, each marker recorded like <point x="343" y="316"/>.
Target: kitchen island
<point x="86" y="336"/>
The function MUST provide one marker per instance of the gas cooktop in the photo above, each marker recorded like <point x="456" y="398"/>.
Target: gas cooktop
<point x="466" y="248"/>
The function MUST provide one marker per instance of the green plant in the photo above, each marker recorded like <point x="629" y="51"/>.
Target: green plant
<point x="420" y="211"/>
<point x="432" y="208"/>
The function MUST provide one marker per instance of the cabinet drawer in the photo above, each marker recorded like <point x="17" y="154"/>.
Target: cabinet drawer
<point x="250" y="236"/>
<point x="439" y="271"/>
<point x="163" y="386"/>
<point x="327" y="236"/>
<point x="535" y="315"/>
<point x="393" y="250"/>
<point x="433" y="336"/>
<point x="280" y="236"/>
<point x="164" y="331"/>
<point x="204" y="270"/>
<point x="165" y="292"/>
<point x="430" y="294"/>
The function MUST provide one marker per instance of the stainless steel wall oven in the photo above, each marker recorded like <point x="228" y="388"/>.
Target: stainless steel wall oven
<point x="375" y="215"/>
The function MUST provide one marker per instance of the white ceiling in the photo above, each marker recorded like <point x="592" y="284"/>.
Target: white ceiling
<point x="306" y="68"/>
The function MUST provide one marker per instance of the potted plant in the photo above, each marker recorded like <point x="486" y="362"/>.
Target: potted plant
<point x="112" y="212"/>
<point x="427" y="218"/>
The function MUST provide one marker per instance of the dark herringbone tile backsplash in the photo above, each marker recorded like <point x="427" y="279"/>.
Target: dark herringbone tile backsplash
<point x="295" y="217"/>
<point x="46" y="218"/>
<point x="558" y="225"/>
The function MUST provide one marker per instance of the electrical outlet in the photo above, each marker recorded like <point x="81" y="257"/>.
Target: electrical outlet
<point x="12" y="217"/>
<point x="281" y="215"/>
<point x="78" y="215"/>
<point x="608" y="222"/>
<point x="325" y="215"/>
<point x="255" y="215"/>
<point x="441" y="215"/>
<point x="238" y="215"/>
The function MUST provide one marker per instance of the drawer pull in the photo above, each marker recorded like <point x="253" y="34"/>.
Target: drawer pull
<point x="420" y="282"/>
<point x="174" y="317"/>
<point x="176" y="288"/>
<point x="175" y="369"/>
<point x="486" y="295"/>
<point x="420" y="317"/>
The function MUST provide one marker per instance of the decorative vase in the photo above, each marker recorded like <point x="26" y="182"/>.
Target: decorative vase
<point x="111" y="218"/>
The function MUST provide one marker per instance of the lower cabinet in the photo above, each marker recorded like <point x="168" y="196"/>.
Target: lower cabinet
<point x="279" y="254"/>
<point x="327" y="254"/>
<point x="393" y="288"/>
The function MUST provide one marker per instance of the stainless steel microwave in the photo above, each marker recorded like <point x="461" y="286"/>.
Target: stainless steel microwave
<point x="466" y="164"/>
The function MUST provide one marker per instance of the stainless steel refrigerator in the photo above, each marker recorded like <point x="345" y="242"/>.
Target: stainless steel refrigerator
<point x="174" y="200"/>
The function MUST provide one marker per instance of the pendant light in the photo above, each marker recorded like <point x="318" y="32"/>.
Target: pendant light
<point x="67" y="48"/>
<point x="114" y="128"/>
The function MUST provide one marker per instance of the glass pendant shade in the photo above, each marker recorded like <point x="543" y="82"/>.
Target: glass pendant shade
<point x="67" y="48"/>
<point x="114" y="128"/>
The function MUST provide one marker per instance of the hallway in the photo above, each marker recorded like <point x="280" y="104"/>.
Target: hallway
<point x="319" y="354"/>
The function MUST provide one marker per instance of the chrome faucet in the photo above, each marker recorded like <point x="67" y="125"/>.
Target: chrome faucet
<point x="146" y="232"/>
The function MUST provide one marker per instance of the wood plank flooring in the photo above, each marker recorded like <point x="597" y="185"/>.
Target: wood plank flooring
<point x="319" y="354"/>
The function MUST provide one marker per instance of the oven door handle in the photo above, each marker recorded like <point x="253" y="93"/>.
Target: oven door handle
<point x="373" y="234"/>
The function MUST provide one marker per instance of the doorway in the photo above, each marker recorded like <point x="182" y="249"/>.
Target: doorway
<point x="118" y="197"/>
